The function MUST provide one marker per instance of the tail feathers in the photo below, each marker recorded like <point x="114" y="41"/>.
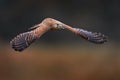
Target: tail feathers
<point x="22" y="41"/>
<point x="93" y="37"/>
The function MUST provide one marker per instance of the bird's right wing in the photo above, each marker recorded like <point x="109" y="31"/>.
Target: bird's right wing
<point x="23" y="40"/>
<point x="33" y="27"/>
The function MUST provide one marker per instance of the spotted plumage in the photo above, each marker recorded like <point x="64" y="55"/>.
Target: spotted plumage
<point x="24" y="40"/>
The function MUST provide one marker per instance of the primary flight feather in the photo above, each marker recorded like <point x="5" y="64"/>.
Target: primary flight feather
<point x="23" y="40"/>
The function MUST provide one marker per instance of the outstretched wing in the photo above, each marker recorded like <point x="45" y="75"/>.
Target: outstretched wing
<point x="23" y="40"/>
<point x="33" y="27"/>
<point x="93" y="37"/>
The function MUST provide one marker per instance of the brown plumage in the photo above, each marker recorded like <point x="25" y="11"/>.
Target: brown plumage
<point x="23" y="40"/>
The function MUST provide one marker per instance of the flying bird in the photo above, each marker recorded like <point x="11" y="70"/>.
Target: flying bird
<point x="24" y="40"/>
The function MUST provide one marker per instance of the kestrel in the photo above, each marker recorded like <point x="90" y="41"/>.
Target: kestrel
<point x="24" y="40"/>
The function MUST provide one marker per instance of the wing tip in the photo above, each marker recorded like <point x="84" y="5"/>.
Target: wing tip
<point x="22" y="41"/>
<point x="94" y="37"/>
<point x="99" y="38"/>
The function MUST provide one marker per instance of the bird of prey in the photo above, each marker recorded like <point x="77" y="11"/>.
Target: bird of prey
<point x="24" y="40"/>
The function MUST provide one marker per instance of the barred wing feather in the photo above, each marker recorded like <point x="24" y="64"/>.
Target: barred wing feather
<point x="23" y="40"/>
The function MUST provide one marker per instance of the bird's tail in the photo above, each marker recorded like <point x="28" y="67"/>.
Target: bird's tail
<point x="93" y="37"/>
<point x="23" y="40"/>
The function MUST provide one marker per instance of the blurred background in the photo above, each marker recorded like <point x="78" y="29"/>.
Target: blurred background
<point x="60" y="55"/>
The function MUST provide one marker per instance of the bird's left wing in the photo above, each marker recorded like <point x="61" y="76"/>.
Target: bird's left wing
<point x="94" y="37"/>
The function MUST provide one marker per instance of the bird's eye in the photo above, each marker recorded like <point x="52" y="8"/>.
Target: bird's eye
<point x="56" y="25"/>
<point x="59" y="26"/>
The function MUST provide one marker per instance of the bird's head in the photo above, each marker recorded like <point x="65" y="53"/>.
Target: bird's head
<point x="54" y="24"/>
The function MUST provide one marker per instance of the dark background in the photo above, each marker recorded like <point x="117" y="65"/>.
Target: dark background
<point x="60" y="55"/>
<point x="17" y="16"/>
